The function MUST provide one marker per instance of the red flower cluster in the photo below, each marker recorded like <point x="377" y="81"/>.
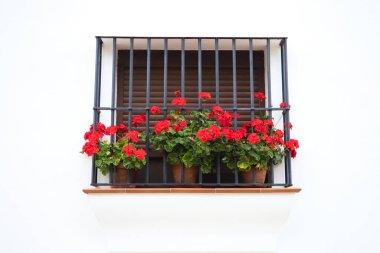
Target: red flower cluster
<point x="292" y="145"/>
<point x="130" y="150"/>
<point x="111" y="130"/>
<point x="92" y="137"/>
<point x="122" y="128"/>
<point x="284" y="105"/>
<point x="209" y="134"/>
<point x="235" y="135"/>
<point x="162" y="125"/>
<point x="204" y="95"/>
<point x="260" y="126"/>
<point x="268" y="123"/>
<point x="253" y="138"/>
<point x="224" y="118"/>
<point x="179" y="101"/>
<point x="90" y="148"/>
<point x="138" y="119"/>
<point x="177" y="93"/>
<point x="180" y="125"/>
<point x="155" y="110"/>
<point x="279" y="133"/>
<point x="133" y="136"/>
<point x="259" y="95"/>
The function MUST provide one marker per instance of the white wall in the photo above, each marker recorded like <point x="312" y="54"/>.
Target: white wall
<point x="46" y="78"/>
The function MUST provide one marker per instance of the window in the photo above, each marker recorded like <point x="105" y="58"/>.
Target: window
<point x="164" y="65"/>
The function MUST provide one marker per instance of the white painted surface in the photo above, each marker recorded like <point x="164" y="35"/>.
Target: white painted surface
<point x="174" y="223"/>
<point x="46" y="78"/>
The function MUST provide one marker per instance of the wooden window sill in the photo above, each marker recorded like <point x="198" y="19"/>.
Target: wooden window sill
<point x="101" y="190"/>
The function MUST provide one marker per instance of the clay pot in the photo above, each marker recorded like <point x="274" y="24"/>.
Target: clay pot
<point x="190" y="177"/>
<point x="247" y="176"/>
<point x="120" y="175"/>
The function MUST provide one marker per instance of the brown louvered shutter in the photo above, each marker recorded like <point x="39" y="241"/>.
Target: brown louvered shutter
<point x="191" y="80"/>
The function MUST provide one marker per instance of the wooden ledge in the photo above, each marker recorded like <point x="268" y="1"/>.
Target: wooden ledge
<point x="98" y="190"/>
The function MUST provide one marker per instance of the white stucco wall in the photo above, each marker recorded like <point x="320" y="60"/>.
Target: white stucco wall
<point x="46" y="78"/>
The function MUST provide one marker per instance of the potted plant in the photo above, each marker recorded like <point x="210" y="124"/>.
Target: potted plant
<point x="122" y="155"/>
<point x="176" y="136"/>
<point x="254" y="146"/>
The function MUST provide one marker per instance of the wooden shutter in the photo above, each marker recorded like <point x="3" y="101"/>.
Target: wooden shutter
<point x="191" y="80"/>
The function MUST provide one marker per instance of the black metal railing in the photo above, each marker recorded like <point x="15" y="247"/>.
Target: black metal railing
<point x="165" y="182"/>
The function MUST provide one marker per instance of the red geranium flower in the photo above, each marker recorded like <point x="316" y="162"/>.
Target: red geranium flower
<point x="284" y="104"/>
<point x="267" y="139"/>
<point x="210" y="134"/>
<point x="215" y="131"/>
<point x="204" y="135"/>
<point x="177" y="93"/>
<point x="179" y="101"/>
<point x="87" y="135"/>
<point x="95" y="136"/>
<point x="292" y="144"/>
<point x="246" y="125"/>
<point x="122" y="128"/>
<point x="259" y="95"/>
<point x="279" y="133"/>
<point x="253" y="138"/>
<point x="100" y="127"/>
<point x="162" y="125"/>
<point x="256" y="122"/>
<point x="180" y="125"/>
<point x="155" y="110"/>
<point x="268" y="122"/>
<point x="140" y="154"/>
<point x="261" y="129"/>
<point x="277" y="139"/>
<point x="204" y="95"/>
<point x="237" y="135"/>
<point x="111" y="130"/>
<point x="90" y="148"/>
<point x="227" y="132"/>
<point x="137" y="120"/>
<point x="293" y="154"/>
<point x="133" y="136"/>
<point x="224" y="118"/>
<point x="129" y="150"/>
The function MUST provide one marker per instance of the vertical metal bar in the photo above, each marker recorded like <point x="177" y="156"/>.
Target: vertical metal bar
<point x="283" y="99"/>
<point x="94" y="174"/>
<point x="200" y="179"/>
<point x="217" y="101"/>
<point x="234" y="99"/>
<point x="147" y="109"/>
<point x="287" y="117"/>
<point x="182" y="92"/>
<point x="252" y="90"/>
<point x="112" y="140"/>
<point x="130" y="94"/>
<point x="130" y="84"/>
<point x="164" y="168"/>
<point x="271" y="172"/>
<point x="183" y="67"/>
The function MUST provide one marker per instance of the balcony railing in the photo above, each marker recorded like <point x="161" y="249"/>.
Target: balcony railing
<point x="216" y="180"/>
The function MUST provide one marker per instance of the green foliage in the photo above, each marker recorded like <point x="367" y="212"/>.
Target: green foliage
<point x="183" y="146"/>
<point x="111" y="155"/>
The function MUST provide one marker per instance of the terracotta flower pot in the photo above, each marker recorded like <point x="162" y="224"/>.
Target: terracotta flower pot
<point x="190" y="177"/>
<point x="247" y="176"/>
<point x="120" y="175"/>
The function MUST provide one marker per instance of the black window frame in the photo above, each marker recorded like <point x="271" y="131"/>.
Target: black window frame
<point x="97" y="108"/>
